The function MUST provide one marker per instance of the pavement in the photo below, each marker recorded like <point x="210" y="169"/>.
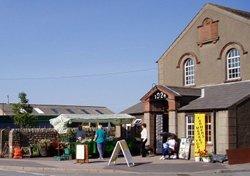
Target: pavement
<point x="143" y="166"/>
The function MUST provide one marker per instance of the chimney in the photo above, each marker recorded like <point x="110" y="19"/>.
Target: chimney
<point x="202" y="93"/>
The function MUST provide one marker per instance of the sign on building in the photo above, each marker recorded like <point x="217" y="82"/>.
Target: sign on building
<point x="121" y="146"/>
<point x="199" y="134"/>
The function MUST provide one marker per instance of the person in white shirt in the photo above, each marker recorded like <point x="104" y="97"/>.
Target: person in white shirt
<point x="144" y="137"/>
<point x="168" y="147"/>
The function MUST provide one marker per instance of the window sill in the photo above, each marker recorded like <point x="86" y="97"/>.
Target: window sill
<point x="233" y="80"/>
<point x="207" y="144"/>
<point x="191" y="85"/>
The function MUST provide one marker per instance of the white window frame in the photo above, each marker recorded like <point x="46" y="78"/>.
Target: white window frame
<point x="189" y="72"/>
<point x="208" y="128"/>
<point x="190" y="122"/>
<point x="208" y="124"/>
<point x="233" y="64"/>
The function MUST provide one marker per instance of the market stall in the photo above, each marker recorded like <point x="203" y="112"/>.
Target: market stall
<point x="63" y="124"/>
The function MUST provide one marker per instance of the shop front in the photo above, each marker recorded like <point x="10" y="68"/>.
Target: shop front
<point x="156" y="104"/>
<point x="160" y="111"/>
<point x="175" y="109"/>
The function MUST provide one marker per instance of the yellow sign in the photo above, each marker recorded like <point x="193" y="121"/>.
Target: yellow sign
<point x="199" y="134"/>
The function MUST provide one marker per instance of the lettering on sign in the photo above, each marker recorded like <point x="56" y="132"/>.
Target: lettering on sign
<point x="199" y="133"/>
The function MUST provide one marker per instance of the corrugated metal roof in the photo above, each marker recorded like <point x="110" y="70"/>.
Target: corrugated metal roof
<point x="54" y="110"/>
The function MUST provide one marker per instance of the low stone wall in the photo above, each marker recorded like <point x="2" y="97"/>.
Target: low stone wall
<point x="32" y="135"/>
<point x="28" y="136"/>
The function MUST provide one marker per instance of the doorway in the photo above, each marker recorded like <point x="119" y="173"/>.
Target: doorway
<point x="161" y="125"/>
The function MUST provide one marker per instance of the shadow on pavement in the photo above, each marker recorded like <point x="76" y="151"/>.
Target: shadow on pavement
<point x="136" y="164"/>
<point x="98" y="161"/>
<point x="167" y="167"/>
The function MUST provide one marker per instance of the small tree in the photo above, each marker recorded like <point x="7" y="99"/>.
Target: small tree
<point x="22" y="112"/>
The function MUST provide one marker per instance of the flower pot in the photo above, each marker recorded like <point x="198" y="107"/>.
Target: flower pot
<point x="43" y="151"/>
<point x="197" y="159"/>
<point x="18" y="154"/>
<point x="206" y="159"/>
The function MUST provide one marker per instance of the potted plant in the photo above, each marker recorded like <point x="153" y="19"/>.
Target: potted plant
<point x="43" y="145"/>
<point x="34" y="150"/>
<point x="197" y="158"/>
<point x="205" y="156"/>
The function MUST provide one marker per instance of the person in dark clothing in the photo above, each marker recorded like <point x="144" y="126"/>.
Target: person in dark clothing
<point x="80" y="134"/>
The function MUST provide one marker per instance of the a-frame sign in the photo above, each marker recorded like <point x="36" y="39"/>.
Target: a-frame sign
<point x="121" y="146"/>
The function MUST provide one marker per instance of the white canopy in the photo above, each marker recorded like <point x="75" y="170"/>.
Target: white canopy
<point x="60" y="123"/>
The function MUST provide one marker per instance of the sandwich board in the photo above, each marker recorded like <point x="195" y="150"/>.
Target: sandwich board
<point x="121" y="146"/>
<point x="82" y="153"/>
<point x="184" y="149"/>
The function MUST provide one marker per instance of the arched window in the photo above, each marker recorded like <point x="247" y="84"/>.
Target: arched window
<point x="233" y="64"/>
<point x="189" y="72"/>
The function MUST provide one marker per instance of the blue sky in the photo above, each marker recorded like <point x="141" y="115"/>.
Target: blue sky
<point x="88" y="52"/>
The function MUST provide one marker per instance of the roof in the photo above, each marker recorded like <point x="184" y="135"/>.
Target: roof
<point x="242" y="13"/>
<point x="237" y="12"/>
<point x="177" y="91"/>
<point x="55" y="110"/>
<point x="135" y="109"/>
<point x="185" y="91"/>
<point x="220" y="96"/>
<point x="173" y="90"/>
<point x="60" y="123"/>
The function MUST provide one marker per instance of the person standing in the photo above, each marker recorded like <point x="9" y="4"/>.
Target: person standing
<point x="144" y="138"/>
<point x="80" y="134"/>
<point x="100" y="137"/>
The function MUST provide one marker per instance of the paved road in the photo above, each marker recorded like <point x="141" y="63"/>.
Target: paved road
<point x="151" y="166"/>
<point x="168" y="168"/>
<point x="58" y="173"/>
<point x="19" y="173"/>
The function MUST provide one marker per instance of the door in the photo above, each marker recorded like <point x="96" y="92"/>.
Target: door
<point x="161" y="125"/>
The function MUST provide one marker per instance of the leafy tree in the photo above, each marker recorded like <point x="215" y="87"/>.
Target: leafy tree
<point x="22" y="112"/>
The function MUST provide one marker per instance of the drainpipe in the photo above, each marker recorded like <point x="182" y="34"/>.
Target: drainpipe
<point x="215" y="143"/>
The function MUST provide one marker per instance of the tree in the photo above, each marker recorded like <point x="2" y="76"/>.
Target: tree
<point x="22" y="112"/>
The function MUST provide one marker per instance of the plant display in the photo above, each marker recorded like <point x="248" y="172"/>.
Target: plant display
<point x="34" y="150"/>
<point x="27" y="151"/>
<point x="43" y="145"/>
<point x="203" y="153"/>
